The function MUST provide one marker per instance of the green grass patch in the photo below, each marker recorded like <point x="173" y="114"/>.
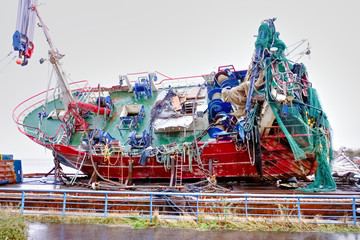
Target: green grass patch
<point x="12" y="226"/>
<point x="188" y="223"/>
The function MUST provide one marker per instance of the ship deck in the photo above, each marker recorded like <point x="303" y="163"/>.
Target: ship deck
<point x="120" y="99"/>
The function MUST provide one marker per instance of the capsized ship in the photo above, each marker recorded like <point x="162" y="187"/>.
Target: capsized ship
<point x="263" y="123"/>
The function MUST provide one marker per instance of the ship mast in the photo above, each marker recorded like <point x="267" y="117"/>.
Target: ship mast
<point x="65" y="92"/>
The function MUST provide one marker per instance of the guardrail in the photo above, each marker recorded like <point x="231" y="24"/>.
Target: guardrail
<point x="317" y="209"/>
<point x="181" y="82"/>
<point x="29" y="105"/>
<point x="165" y="81"/>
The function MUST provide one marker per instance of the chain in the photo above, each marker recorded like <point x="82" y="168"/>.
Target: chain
<point x="200" y="164"/>
<point x="205" y="132"/>
<point x="239" y="146"/>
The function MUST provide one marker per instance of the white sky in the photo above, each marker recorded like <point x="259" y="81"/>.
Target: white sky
<point x="102" y="39"/>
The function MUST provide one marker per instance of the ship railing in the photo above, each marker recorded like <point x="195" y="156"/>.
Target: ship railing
<point x="83" y="95"/>
<point x="181" y="81"/>
<point x="317" y="209"/>
<point x="166" y="81"/>
<point x="36" y="102"/>
<point x="277" y="133"/>
<point x="282" y="75"/>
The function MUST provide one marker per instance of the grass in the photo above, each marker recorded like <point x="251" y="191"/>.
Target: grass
<point x="258" y="224"/>
<point x="12" y="226"/>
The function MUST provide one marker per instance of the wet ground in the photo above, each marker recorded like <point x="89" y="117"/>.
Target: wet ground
<point x="40" y="231"/>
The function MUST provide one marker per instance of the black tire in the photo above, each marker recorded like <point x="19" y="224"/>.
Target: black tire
<point x="349" y="178"/>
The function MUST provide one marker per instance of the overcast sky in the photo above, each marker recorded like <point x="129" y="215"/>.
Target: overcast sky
<point x="102" y="39"/>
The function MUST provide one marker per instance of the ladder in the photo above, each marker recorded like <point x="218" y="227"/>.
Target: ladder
<point x="64" y="140"/>
<point x="178" y="171"/>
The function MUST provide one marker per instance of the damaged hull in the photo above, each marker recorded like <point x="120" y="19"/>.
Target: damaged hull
<point x="220" y="159"/>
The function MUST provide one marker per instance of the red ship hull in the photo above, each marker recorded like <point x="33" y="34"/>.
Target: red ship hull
<point x="221" y="159"/>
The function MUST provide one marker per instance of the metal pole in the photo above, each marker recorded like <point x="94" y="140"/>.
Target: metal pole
<point x="64" y="205"/>
<point x="354" y="211"/>
<point x="197" y="208"/>
<point x="129" y="179"/>
<point x="151" y="203"/>
<point x="246" y="209"/>
<point x="299" y="212"/>
<point x="211" y="166"/>
<point x="106" y="205"/>
<point x="22" y="202"/>
<point x="54" y="57"/>
<point x="173" y="174"/>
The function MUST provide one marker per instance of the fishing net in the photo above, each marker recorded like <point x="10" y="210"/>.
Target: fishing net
<point x="266" y="40"/>
<point x="307" y="131"/>
<point x="303" y="123"/>
<point x="269" y="40"/>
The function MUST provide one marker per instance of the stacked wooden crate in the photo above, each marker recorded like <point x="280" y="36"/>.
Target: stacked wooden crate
<point x="10" y="169"/>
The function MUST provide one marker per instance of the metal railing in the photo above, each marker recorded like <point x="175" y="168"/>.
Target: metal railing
<point x="165" y="81"/>
<point x="319" y="209"/>
<point x="181" y="82"/>
<point x="29" y="105"/>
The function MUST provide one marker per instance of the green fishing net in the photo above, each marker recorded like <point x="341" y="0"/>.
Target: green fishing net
<point x="305" y="125"/>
